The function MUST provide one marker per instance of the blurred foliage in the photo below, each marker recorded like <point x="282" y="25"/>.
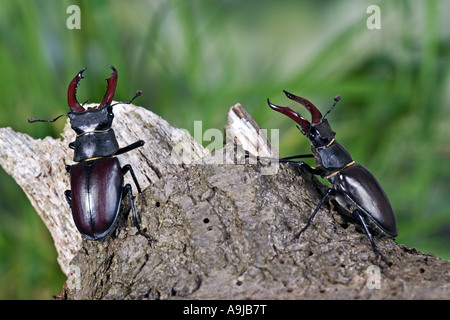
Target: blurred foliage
<point x="195" y="59"/>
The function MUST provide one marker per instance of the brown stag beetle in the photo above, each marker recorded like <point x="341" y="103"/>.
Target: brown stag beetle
<point x="352" y="185"/>
<point x="97" y="180"/>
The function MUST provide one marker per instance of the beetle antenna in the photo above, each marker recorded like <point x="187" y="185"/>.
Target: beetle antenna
<point x="38" y="120"/>
<point x="336" y="100"/>
<point x="138" y="94"/>
<point x="301" y="130"/>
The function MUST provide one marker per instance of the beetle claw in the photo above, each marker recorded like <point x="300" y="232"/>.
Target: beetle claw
<point x="315" y="113"/>
<point x="110" y="89"/>
<point x="74" y="105"/>
<point x="150" y="239"/>
<point x="291" y="114"/>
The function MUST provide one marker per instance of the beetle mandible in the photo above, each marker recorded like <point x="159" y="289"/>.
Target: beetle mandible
<point x="353" y="186"/>
<point x="97" y="180"/>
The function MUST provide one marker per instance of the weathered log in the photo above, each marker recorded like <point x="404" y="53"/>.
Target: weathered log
<point x="224" y="227"/>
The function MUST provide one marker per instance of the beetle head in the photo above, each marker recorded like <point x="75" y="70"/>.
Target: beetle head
<point x="98" y="118"/>
<point x="318" y="131"/>
<point x="76" y="107"/>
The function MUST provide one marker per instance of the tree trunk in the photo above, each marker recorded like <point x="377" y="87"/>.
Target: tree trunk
<point x="224" y="228"/>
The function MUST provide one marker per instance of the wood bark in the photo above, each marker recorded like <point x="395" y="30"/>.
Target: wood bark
<point x="224" y="227"/>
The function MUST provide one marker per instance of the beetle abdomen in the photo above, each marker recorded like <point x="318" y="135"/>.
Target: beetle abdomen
<point x="360" y="187"/>
<point x="96" y="195"/>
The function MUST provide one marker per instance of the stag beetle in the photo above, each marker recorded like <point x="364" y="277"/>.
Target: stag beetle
<point x="352" y="185"/>
<point x="97" y="184"/>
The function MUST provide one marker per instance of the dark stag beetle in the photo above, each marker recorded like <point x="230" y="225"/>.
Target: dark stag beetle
<point x="97" y="184"/>
<point x="353" y="186"/>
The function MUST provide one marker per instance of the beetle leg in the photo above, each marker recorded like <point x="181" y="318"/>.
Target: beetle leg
<point x="127" y="168"/>
<point x="329" y="191"/>
<point x="130" y="147"/>
<point x="303" y="165"/>
<point x="68" y="195"/>
<point x="248" y="155"/>
<point x="127" y="190"/>
<point x="309" y="155"/>
<point x="366" y="229"/>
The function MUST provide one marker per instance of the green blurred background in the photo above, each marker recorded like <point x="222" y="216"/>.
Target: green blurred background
<point x="194" y="59"/>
